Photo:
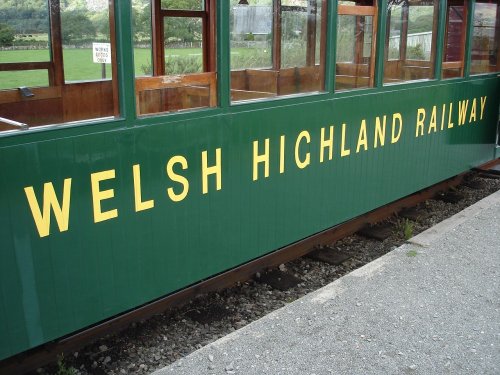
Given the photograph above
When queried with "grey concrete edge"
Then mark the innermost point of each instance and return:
(426, 238)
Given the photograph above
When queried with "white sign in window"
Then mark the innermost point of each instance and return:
(101, 53)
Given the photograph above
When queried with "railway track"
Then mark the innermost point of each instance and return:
(167, 329)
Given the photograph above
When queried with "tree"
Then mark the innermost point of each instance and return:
(6, 35)
(72, 5)
(141, 19)
(182, 4)
(76, 26)
(101, 22)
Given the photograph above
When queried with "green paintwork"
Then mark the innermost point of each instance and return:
(59, 284)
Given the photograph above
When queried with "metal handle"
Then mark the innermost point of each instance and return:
(17, 124)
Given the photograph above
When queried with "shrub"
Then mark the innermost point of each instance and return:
(178, 65)
(415, 52)
(6, 35)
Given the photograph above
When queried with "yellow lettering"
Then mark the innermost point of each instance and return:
(462, 111)
(264, 158)
(216, 169)
(302, 164)
(42, 220)
(433, 123)
(450, 124)
(100, 195)
(483, 104)
(472, 117)
(362, 139)
(419, 130)
(442, 116)
(343, 150)
(380, 132)
(326, 143)
(177, 178)
(282, 154)
(139, 204)
(396, 116)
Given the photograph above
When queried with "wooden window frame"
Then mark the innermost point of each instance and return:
(55, 66)
(497, 31)
(412, 69)
(459, 64)
(207, 16)
(62, 94)
(363, 11)
(312, 36)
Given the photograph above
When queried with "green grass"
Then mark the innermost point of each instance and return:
(24, 56)
(412, 253)
(407, 229)
(78, 65)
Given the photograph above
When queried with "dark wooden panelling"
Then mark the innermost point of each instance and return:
(87, 100)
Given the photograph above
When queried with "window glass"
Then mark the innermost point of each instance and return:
(15, 79)
(56, 63)
(24, 37)
(81, 27)
(355, 45)
(251, 35)
(293, 37)
(420, 32)
(395, 16)
(179, 74)
(346, 38)
(454, 42)
(143, 50)
(277, 48)
(410, 40)
(182, 4)
(183, 45)
(486, 38)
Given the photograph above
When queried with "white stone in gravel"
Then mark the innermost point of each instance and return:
(107, 360)
(210, 357)
(103, 348)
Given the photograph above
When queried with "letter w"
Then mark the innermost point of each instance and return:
(462, 111)
(42, 220)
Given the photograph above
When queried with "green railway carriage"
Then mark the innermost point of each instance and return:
(176, 139)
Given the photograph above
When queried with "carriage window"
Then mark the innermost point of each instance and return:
(356, 28)
(277, 47)
(50, 72)
(174, 55)
(82, 29)
(410, 43)
(486, 38)
(454, 42)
